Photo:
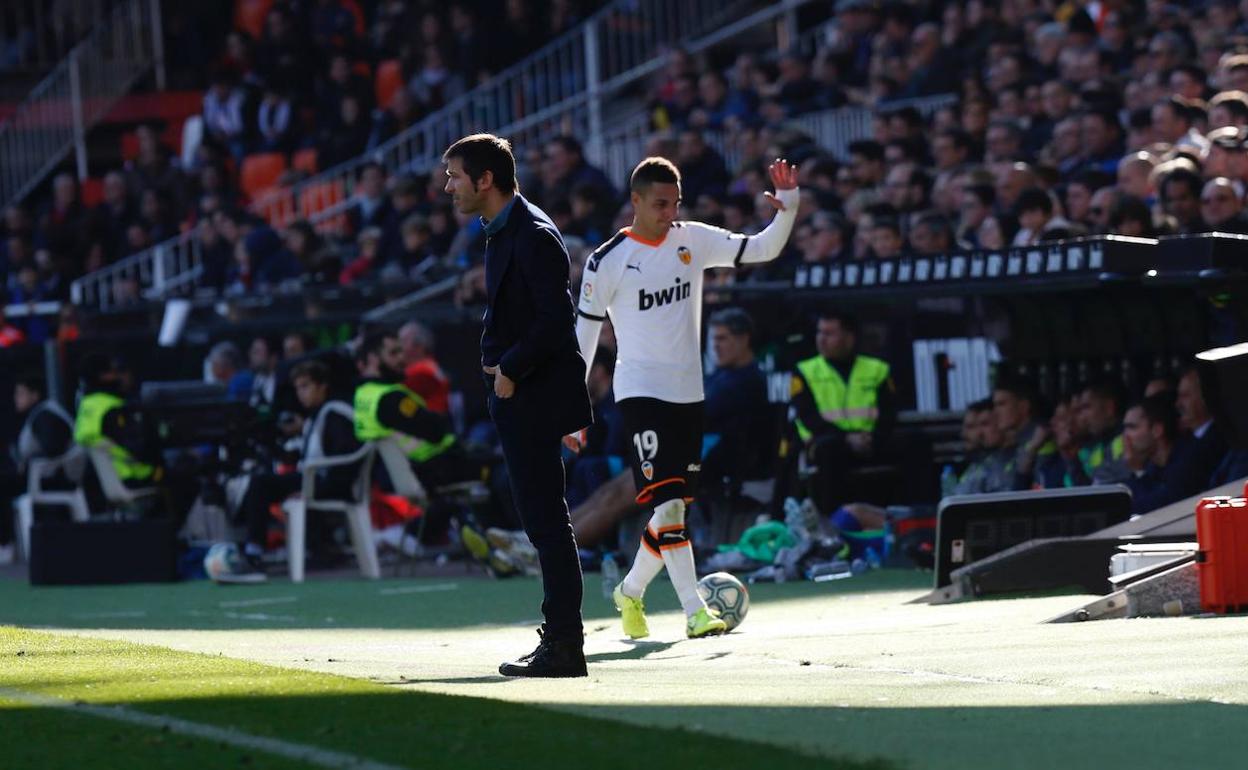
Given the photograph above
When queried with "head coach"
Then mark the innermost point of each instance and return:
(529, 351)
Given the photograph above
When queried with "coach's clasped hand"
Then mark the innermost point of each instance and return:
(504, 386)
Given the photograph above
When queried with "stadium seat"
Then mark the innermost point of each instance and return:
(261, 171)
(319, 197)
(389, 80)
(305, 160)
(249, 16)
(359, 518)
(276, 205)
(357, 13)
(72, 463)
(116, 494)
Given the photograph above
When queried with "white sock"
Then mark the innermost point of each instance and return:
(646, 566)
(668, 524)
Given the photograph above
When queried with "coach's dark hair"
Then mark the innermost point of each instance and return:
(735, 320)
(848, 321)
(653, 170)
(480, 153)
(314, 370)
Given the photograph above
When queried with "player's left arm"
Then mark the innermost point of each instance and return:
(743, 249)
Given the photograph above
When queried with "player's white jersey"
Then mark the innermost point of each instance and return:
(653, 293)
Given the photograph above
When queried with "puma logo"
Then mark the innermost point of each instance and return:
(628, 267)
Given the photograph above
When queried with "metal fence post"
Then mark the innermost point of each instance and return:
(158, 44)
(80, 133)
(593, 79)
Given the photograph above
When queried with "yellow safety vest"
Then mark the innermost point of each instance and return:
(851, 406)
(1095, 456)
(368, 426)
(89, 431)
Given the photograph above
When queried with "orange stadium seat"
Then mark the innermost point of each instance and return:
(278, 208)
(261, 172)
(249, 16)
(354, 8)
(129, 145)
(305, 160)
(389, 80)
(319, 197)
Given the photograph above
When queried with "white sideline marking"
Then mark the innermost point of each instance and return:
(257, 616)
(120, 614)
(419, 589)
(259, 602)
(297, 751)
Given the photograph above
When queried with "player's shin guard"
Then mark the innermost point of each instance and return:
(669, 524)
(646, 565)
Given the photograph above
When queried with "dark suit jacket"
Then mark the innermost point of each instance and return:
(530, 324)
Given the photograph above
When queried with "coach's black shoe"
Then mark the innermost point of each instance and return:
(553, 658)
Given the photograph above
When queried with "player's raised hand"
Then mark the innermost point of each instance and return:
(784, 177)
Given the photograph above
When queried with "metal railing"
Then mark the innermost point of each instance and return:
(168, 269)
(559, 89)
(35, 34)
(55, 116)
(538, 97)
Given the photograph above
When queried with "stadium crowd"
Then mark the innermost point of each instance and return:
(1064, 120)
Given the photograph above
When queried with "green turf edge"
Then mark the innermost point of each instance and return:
(424, 730)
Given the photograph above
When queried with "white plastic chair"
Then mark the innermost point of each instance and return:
(116, 494)
(40, 470)
(356, 509)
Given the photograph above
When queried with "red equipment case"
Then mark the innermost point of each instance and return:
(1222, 562)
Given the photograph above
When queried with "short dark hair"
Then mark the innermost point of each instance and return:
(867, 148)
(735, 320)
(981, 406)
(315, 370)
(1034, 198)
(1106, 388)
(985, 193)
(1159, 409)
(32, 380)
(1183, 176)
(480, 153)
(373, 342)
(653, 170)
(1018, 387)
(848, 321)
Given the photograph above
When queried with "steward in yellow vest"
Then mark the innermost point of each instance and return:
(386, 407)
(102, 417)
(845, 406)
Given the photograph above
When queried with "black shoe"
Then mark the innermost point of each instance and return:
(553, 658)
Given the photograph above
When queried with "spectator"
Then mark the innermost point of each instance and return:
(1165, 466)
(346, 136)
(1129, 216)
(1135, 175)
(223, 115)
(740, 427)
(886, 240)
(702, 169)
(828, 239)
(570, 170)
(371, 206)
(976, 205)
(1221, 207)
(223, 364)
(1209, 443)
(1036, 218)
(274, 126)
(931, 234)
(1174, 123)
(845, 404)
(421, 372)
(1098, 419)
(1180, 199)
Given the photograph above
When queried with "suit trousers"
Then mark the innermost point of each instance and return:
(533, 452)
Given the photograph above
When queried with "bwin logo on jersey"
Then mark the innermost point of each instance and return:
(681, 290)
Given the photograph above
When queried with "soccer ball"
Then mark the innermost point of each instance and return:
(725, 594)
(220, 560)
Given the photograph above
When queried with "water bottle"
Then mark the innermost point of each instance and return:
(610, 575)
(948, 481)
